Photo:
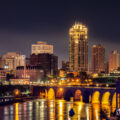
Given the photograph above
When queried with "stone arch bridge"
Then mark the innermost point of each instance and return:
(104, 95)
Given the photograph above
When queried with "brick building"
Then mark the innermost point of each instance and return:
(49, 62)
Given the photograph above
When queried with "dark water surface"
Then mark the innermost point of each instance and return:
(42, 109)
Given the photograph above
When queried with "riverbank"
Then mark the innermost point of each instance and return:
(8, 101)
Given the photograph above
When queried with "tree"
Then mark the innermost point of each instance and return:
(83, 76)
(70, 75)
(9, 76)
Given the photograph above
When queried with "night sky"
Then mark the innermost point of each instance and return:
(24, 23)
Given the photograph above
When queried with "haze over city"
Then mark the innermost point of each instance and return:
(60, 60)
(26, 22)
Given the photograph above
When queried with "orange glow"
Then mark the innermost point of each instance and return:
(73, 80)
(95, 97)
(62, 73)
(95, 75)
(78, 95)
(114, 102)
(16, 92)
(77, 80)
(52, 80)
(17, 111)
(68, 80)
(86, 80)
(96, 111)
(51, 104)
(59, 83)
(61, 110)
(90, 80)
(105, 98)
(59, 93)
(51, 94)
(61, 89)
(46, 94)
(79, 106)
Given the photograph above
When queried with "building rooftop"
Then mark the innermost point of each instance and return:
(42, 43)
(30, 67)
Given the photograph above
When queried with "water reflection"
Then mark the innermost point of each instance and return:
(17, 111)
(60, 105)
(96, 111)
(51, 110)
(30, 109)
(42, 109)
(106, 109)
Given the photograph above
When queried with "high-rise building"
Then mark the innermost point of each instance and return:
(48, 62)
(78, 48)
(41, 47)
(98, 59)
(12, 59)
(114, 61)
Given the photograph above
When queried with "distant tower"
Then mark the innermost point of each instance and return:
(98, 59)
(78, 48)
(114, 60)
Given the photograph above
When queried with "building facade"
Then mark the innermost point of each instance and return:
(49, 62)
(12, 59)
(1, 63)
(22, 81)
(41, 47)
(3, 74)
(114, 60)
(33, 73)
(98, 59)
(78, 48)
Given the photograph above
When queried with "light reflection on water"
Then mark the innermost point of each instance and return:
(42, 109)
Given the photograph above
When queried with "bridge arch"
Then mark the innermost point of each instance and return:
(51, 94)
(42, 93)
(46, 94)
(78, 95)
(114, 102)
(60, 93)
(105, 98)
(96, 97)
(68, 94)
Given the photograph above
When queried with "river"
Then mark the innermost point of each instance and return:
(41, 109)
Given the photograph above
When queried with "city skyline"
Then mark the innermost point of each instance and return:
(30, 22)
(59, 60)
(67, 58)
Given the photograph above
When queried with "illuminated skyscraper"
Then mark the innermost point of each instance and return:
(78, 48)
(98, 59)
(114, 60)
